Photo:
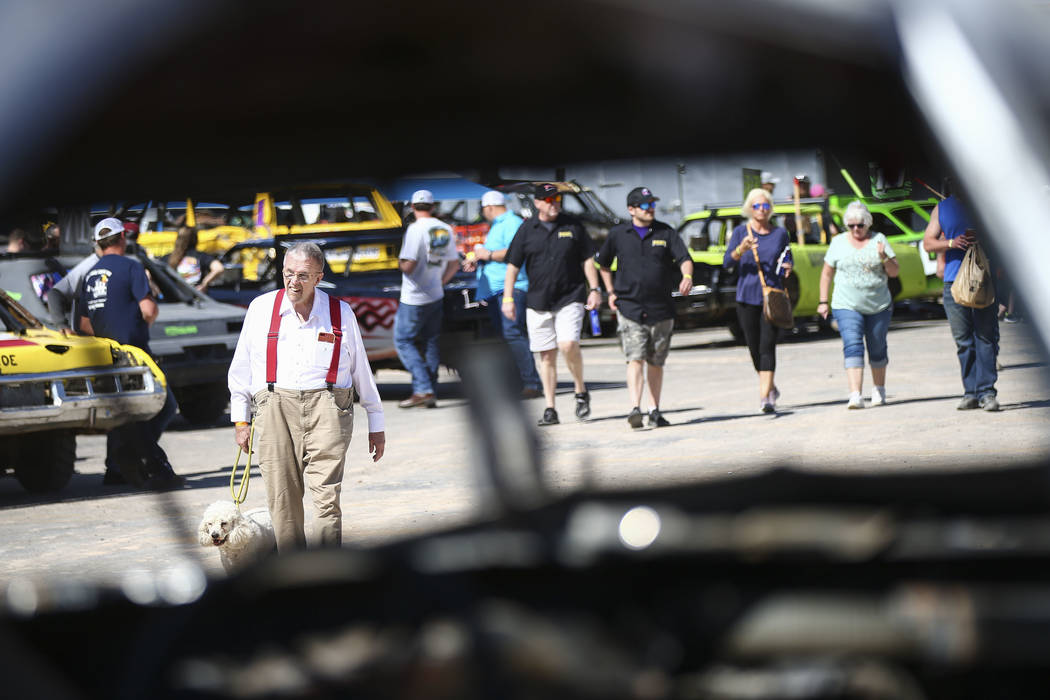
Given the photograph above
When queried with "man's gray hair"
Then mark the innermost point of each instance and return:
(308, 250)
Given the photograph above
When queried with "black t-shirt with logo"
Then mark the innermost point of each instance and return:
(647, 269)
(553, 259)
(110, 296)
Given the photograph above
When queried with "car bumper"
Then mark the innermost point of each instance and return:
(89, 399)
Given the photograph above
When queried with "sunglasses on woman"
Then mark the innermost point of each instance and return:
(763, 206)
(855, 225)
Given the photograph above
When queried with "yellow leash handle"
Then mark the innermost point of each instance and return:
(239, 494)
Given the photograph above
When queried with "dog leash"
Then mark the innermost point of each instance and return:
(240, 494)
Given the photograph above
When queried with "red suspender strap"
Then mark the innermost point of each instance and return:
(337, 331)
(271, 340)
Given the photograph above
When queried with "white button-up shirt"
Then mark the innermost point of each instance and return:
(304, 353)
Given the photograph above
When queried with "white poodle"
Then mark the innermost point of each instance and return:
(240, 537)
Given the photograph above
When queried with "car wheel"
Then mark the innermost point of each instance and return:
(203, 404)
(45, 460)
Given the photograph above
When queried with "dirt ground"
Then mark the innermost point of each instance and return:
(429, 478)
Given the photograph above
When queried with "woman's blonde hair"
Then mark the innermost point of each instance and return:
(753, 195)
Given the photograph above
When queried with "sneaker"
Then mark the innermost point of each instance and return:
(635, 417)
(550, 417)
(583, 405)
(855, 401)
(657, 420)
(989, 403)
(1012, 318)
(878, 396)
(774, 395)
(767, 406)
(968, 403)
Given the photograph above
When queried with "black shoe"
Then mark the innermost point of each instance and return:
(989, 403)
(968, 403)
(113, 477)
(167, 482)
(635, 418)
(657, 420)
(550, 417)
(583, 405)
(132, 471)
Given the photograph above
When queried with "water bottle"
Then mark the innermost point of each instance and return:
(596, 325)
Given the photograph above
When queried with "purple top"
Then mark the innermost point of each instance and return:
(642, 231)
(773, 250)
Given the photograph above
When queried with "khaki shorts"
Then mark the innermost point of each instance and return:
(645, 342)
(548, 328)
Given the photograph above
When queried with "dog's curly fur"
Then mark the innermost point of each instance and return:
(240, 537)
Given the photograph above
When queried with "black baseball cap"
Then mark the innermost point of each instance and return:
(640, 195)
(544, 190)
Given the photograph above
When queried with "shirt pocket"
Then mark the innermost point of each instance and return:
(324, 343)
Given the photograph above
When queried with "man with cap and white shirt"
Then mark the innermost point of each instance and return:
(116, 303)
(559, 256)
(492, 273)
(298, 362)
(769, 182)
(428, 260)
(651, 262)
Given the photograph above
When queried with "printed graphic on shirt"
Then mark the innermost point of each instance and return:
(97, 287)
(190, 269)
(440, 239)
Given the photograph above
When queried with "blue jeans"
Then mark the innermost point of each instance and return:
(856, 329)
(976, 334)
(517, 336)
(419, 325)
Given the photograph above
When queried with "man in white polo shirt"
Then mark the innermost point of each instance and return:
(299, 360)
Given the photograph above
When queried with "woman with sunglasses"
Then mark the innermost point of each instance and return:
(860, 262)
(771, 242)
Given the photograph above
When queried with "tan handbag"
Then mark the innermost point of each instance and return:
(973, 286)
(776, 304)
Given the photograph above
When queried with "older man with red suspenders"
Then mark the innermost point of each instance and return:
(299, 360)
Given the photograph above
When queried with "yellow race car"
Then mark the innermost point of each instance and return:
(53, 386)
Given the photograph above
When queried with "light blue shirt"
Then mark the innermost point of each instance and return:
(492, 274)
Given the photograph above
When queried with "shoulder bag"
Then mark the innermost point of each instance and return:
(776, 304)
(973, 286)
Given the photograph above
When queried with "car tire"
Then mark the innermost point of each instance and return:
(202, 404)
(45, 460)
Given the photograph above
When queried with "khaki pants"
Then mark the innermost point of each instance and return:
(303, 437)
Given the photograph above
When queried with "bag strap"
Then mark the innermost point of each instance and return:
(337, 330)
(758, 263)
(271, 340)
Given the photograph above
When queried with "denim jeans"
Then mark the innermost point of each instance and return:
(856, 329)
(976, 334)
(517, 336)
(140, 442)
(419, 325)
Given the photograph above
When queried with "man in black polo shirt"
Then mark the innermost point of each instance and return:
(650, 261)
(558, 256)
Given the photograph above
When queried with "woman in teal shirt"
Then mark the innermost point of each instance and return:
(860, 262)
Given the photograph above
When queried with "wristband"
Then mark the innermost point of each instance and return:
(240, 423)
(951, 243)
(688, 277)
(508, 300)
(821, 302)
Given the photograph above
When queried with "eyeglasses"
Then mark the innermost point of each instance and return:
(764, 206)
(647, 206)
(855, 225)
(556, 199)
(300, 276)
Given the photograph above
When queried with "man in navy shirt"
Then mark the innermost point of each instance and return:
(117, 304)
(651, 262)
